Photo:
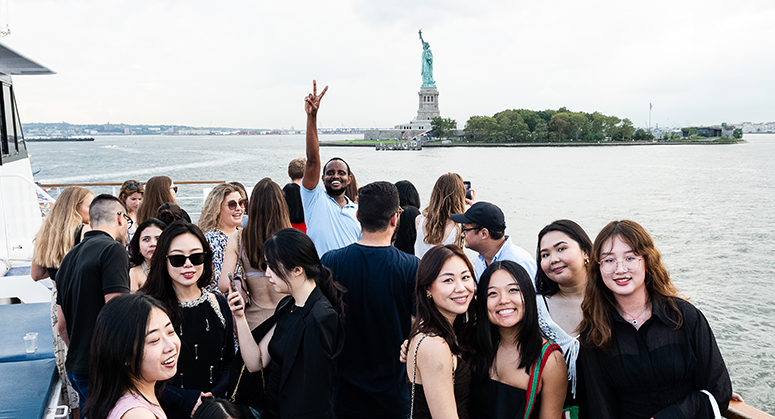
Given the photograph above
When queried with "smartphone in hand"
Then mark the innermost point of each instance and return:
(231, 281)
(467, 184)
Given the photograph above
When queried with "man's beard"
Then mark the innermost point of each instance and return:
(334, 192)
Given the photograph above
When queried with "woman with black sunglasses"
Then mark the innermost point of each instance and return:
(180, 269)
(221, 217)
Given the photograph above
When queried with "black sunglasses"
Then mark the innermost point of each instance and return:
(134, 185)
(179, 260)
(174, 189)
(233, 204)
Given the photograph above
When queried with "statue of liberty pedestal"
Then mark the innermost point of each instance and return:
(427, 64)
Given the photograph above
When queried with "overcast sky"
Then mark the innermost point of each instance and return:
(250, 63)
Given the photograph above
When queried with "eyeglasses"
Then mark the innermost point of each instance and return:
(174, 189)
(233, 204)
(179, 260)
(463, 230)
(128, 219)
(609, 265)
(400, 211)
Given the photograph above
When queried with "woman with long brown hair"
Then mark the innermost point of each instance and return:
(61, 229)
(434, 225)
(267, 214)
(646, 352)
(158, 190)
(221, 217)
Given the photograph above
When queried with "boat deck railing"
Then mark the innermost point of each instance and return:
(189, 197)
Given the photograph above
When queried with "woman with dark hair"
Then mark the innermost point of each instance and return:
(292, 192)
(646, 352)
(440, 374)
(181, 267)
(134, 350)
(221, 217)
(131, 194)
(309, 333)
(141, 249)
(517, 373)
(169, 213)
(406, 233)
(218, 409)
(435, 226)
(267, 214)
(158, 190)
(562, 254)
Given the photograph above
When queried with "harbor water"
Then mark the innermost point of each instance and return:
(710, 208)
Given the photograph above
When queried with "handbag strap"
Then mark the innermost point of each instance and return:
(713, 404)
(414, 374)
(238, 267)
(535, 376)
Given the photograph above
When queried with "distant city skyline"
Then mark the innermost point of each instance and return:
(242, 64)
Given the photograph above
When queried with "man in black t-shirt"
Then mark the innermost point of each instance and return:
(380, 280)
(93, 272)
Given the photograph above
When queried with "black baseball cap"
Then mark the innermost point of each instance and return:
(485, 214)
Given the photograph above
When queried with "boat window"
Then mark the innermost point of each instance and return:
(10, 134)
(20, 146)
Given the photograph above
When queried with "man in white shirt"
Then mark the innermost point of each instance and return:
(328, 213)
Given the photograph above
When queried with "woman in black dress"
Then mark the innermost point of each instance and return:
(439, 374)
(509, 342)
(180, 268)
(309, 333)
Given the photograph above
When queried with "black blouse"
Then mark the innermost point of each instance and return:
(657, 371)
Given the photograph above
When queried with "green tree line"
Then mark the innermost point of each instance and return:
(525, 126)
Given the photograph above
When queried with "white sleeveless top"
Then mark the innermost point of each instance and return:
(420, 247)
(569, 344)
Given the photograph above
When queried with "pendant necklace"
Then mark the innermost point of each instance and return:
(634, 320)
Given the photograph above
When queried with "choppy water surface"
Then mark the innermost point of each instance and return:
(710, 209)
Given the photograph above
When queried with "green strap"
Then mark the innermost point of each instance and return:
(535, 376)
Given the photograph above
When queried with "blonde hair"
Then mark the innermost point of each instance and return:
(448, 197)
(211, 211)
(56, 236)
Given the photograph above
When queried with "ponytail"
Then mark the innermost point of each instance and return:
(331, 289)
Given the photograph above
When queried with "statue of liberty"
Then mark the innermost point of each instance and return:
(427, 64)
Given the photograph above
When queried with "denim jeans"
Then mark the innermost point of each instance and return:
(81, 384)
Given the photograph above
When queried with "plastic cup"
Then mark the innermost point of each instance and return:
(31, 342)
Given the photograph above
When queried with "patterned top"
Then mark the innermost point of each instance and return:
(218, 241)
